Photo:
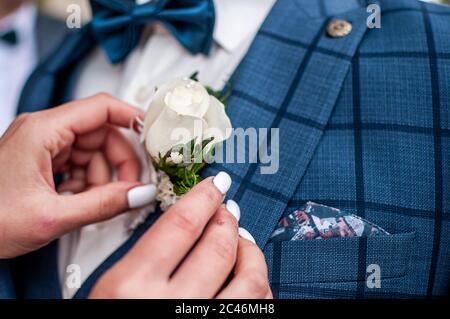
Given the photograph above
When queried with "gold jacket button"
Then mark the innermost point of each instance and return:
(339, 28)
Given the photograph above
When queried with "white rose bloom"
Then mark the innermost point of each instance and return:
(180, 111)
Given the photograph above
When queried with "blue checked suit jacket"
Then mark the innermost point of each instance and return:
(364, 126)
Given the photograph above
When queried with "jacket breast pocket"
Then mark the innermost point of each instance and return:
(339, 259)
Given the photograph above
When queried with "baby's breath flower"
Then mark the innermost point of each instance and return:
(166, 196)
(176, 157)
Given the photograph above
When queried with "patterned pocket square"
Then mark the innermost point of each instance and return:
(315, 221)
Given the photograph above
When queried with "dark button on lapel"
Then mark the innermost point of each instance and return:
(339, 28)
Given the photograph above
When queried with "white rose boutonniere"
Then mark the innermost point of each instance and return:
(184, 122)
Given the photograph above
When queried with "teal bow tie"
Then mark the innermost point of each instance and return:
(9, 37)
(118, 24)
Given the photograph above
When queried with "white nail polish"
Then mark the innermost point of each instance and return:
(222, 182)
(141, 196)
(246, 235)
(234, 209)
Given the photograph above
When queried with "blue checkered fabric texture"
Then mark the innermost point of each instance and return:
(364, 127)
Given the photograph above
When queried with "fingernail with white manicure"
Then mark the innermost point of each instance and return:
(234, 209)
(223, 182)
(246, 235)
(141, 196)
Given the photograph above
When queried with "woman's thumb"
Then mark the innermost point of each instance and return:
(102, 203)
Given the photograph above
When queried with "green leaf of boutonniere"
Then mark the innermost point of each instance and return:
(186, 174)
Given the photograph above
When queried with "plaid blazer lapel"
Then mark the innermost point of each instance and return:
(290, 79)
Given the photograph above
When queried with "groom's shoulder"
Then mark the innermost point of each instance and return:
(413, 11)
(409, 26)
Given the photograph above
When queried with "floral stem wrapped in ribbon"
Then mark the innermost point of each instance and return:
(184, 123)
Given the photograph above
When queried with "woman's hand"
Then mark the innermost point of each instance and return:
(72, 137)
(191, 252)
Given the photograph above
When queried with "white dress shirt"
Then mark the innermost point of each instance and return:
(16, 61)
(158, 58)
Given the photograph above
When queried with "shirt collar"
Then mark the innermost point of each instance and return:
(22, 21)
(238, 19)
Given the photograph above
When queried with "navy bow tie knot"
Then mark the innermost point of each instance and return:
(9, 37)
(118, 24)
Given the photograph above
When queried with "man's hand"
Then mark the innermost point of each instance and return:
(190, 252)
(75, 137)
